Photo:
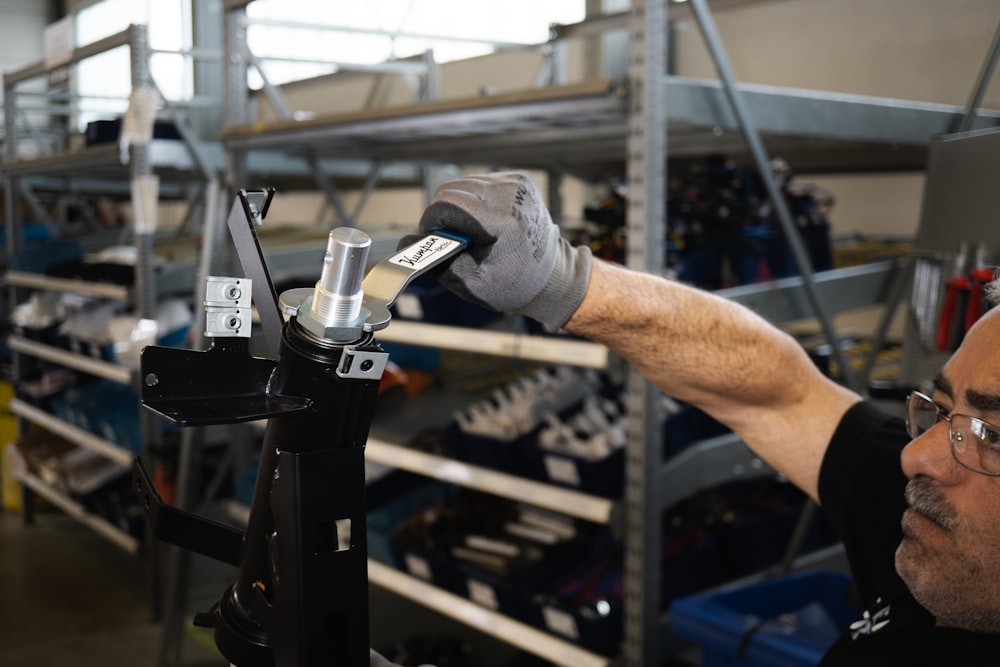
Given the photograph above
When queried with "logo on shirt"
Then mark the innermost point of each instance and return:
(871, 622)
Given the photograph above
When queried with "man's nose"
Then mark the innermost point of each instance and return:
(930, 454)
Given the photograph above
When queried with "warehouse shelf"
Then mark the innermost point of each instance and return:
(77, 511)
(784, 300)
(583, 128)
(608, 128)
(142, 171)
(86, 288)
(495, 625)
(565, 501)
(74, 434)
(708, 464)
(78, 362)
(489, 622)
(550, 349)
(101, 169)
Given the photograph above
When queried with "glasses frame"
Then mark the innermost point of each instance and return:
(942, 415)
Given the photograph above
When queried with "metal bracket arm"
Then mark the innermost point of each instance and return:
(223, 385)
(186, 530)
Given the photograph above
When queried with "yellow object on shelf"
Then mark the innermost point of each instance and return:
(10, 459)
(10, 465)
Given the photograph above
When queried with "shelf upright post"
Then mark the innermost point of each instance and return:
(235, 104)
(12, 218)
(140, 169)
(982, 83)
(646, 169)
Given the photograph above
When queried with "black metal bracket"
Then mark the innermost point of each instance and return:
(249, 210)
(222, 385)
(185, 529)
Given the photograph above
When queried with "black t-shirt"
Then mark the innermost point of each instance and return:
(861, 487)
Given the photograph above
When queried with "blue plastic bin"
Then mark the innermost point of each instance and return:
(790, 621)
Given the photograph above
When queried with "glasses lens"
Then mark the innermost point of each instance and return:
(981, 450)
(921, 414)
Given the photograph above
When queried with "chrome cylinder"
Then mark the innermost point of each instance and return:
(337, 296)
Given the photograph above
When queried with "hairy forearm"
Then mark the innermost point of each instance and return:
(714, 354)
(695, 346)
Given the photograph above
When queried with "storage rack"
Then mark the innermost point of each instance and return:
(584, 129)
(99, 169)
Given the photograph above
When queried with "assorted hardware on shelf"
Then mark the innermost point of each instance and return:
(99, 485)
(564, 575)
(947, 296)
(721, 229)
(563, 426)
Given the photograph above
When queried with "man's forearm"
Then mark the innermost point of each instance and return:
(718, 356)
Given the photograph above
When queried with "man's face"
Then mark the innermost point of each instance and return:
(950, 553)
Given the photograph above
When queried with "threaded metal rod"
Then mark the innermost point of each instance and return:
(337, 296)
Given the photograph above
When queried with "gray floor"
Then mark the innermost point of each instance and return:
(68, 598)
(71, 599)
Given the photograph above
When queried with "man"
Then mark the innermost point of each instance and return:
(920, 518)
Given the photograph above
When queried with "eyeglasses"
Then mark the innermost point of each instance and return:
(975, 444)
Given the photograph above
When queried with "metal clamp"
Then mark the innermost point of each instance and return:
(358, 364)
(227, 306)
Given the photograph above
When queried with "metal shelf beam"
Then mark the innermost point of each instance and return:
(74, 509)
(77, 362)
(565, 501)
(77, 435)
(495, 625)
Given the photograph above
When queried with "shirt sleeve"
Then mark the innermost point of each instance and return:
(861, 485)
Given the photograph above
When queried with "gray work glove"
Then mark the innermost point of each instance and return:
(517, 261)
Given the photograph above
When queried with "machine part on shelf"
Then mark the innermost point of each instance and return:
(301, 593)
(924, 297)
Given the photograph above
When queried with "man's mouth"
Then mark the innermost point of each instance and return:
(927, 502)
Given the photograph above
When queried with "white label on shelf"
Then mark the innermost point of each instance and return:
(482, 594)
(562, 470)
(418, 567)
(425, 252)
(145, 193)
(408, 306)
(453, 471)
(560, 622)
(58, 42)
(137, 123)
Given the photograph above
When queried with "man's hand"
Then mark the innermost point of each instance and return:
(517, 261)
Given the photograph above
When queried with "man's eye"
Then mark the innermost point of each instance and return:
(986, 434)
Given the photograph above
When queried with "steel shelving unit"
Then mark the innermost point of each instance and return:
(143, 172)
(593, 129)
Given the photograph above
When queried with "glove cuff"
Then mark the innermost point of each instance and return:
(562, 294)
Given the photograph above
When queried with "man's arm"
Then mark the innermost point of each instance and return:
(695, 346)
(721, 358)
